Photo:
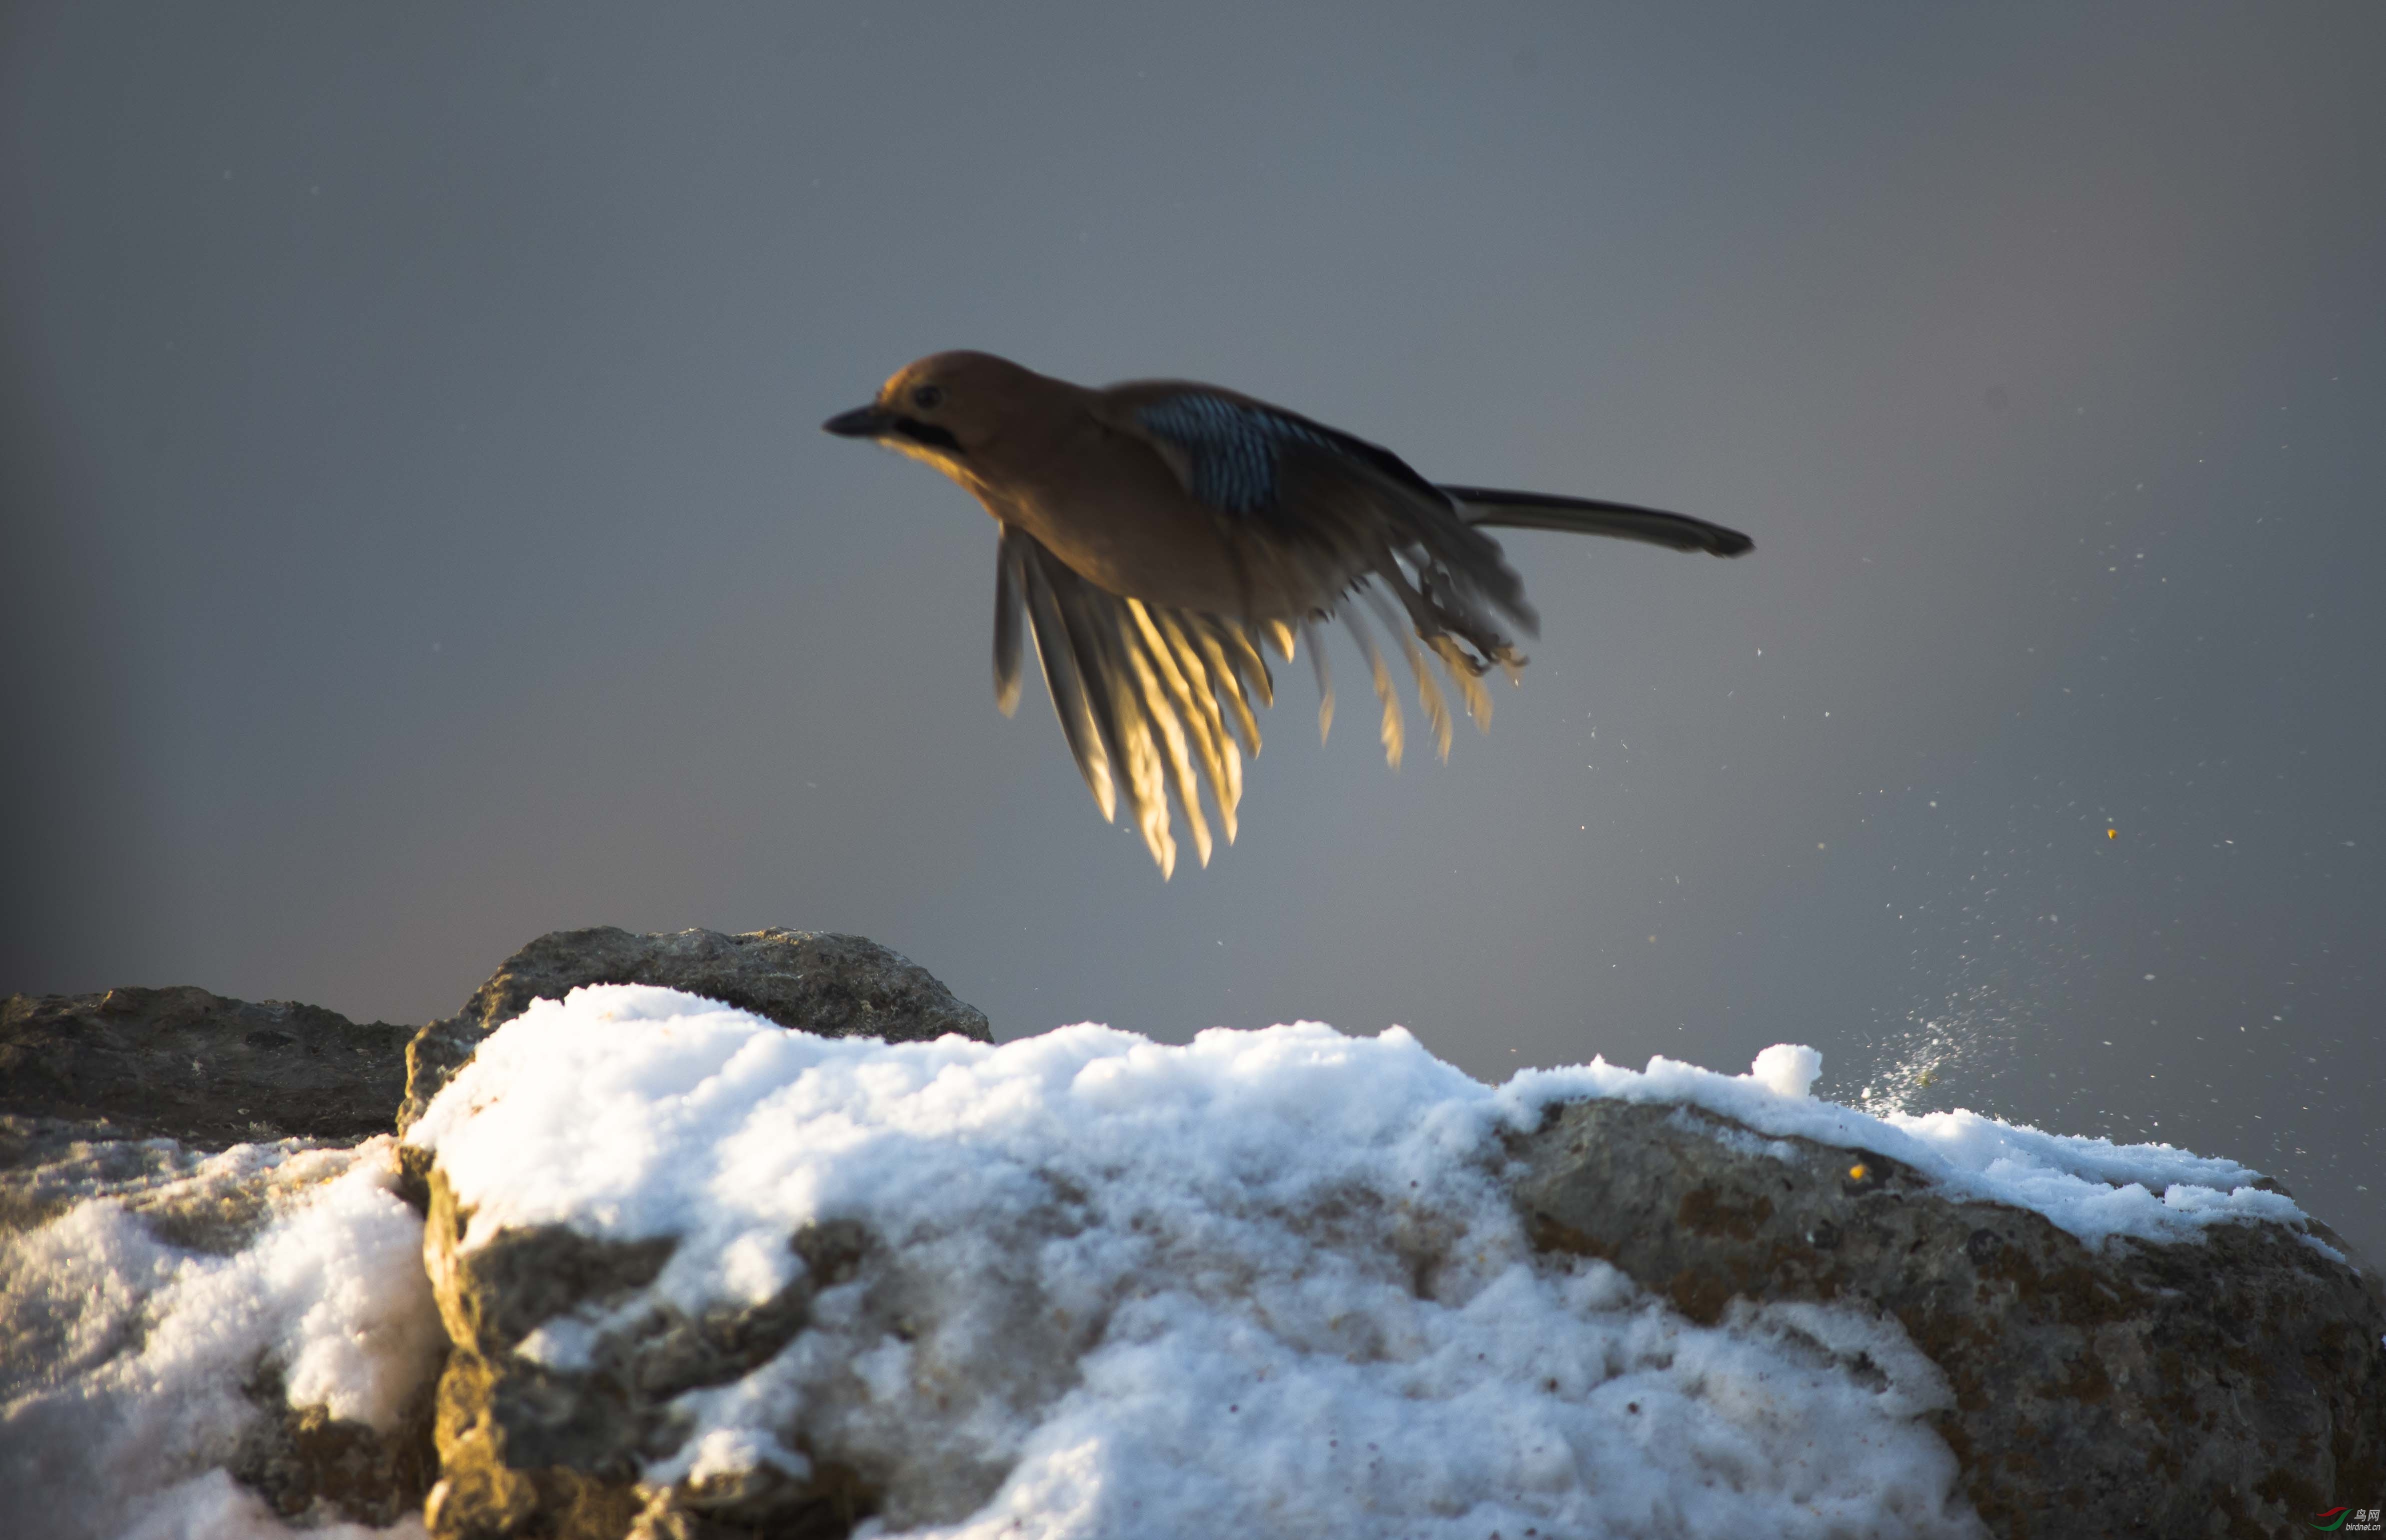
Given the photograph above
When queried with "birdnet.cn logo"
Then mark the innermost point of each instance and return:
(2348, 1521)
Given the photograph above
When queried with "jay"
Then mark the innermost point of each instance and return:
(1156, 534)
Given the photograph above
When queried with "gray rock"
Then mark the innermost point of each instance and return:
(530, 1450)
(309, 1465)
(2233, 1386)
(835, 985)
(185, 1064)
(2225, 1386)
(525, 1449)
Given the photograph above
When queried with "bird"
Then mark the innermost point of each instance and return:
(1157, 536)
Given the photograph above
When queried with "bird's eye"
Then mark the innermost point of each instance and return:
(927, 397)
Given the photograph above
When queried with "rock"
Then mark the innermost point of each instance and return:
(185, 1064)
(2233, 1386)
(2229, 1384)
(815, 981)
(527, 1448)
(305, 1463)
(530, 1448)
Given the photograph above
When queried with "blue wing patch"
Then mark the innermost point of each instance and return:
(1231, 448)
(1235, 451)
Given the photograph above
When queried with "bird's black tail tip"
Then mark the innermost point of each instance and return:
(1534, 510)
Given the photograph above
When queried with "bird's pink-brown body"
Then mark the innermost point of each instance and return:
(1155, 533)
(1073, 467)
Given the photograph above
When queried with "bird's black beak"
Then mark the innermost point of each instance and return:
(860, 422)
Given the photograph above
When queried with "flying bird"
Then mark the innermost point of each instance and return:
(1156, 534)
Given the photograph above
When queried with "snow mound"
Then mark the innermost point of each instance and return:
(1083, 1285)
(1266, 1281)
(150, 1349)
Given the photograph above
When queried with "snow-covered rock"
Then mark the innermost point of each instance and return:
(260, 1312)
(214, 1316)
(2180, 1353)
(676, 1270)
(1291, 1283)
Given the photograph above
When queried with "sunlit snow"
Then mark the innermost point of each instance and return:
(1266, 1281)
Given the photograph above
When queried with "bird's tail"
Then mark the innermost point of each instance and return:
(1534, 510)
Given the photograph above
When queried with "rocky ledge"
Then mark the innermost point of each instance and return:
(539, 1376)
(2224, 1387)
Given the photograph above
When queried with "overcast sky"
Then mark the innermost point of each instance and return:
(419, 535)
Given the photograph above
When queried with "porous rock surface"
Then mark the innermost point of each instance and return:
(2231, 1387)
(199, 1069)
(528, 1449)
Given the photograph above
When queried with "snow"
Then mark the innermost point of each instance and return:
(2093, 1188)
(214, 1507)
(146, 1402)
(1264, 1280)
(1787, 1070)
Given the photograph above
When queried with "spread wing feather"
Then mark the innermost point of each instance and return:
(1150, 699)
(1072, 702)
(1290, 493)
(1154, 699)
(1009, 579)
(1354, 521)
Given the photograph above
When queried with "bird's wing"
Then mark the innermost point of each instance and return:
(1355, 520)
(1148, 697)
(1536, 510)
(1311, 491)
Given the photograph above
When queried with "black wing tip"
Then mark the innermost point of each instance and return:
(1729, 542)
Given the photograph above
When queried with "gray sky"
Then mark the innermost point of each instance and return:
(419, 535)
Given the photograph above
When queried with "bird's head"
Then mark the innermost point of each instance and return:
(944, 409)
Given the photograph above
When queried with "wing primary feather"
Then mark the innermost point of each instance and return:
(1394, 733)
(1229, 683)
(1170, 743)
(1467, 675)
(1436, 710)
(1251, 664)
(1324, 673)
(1071, 700)
(1009, 612)
(1101, 643)
(1465, 671)
(1201, 687)
(1196, 692)
(1168, 704)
